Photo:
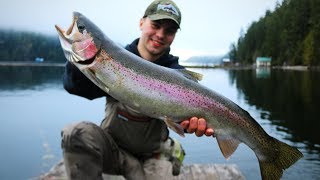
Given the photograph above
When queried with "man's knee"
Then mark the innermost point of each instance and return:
(82, 136)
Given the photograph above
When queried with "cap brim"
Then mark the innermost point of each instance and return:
(155, 17)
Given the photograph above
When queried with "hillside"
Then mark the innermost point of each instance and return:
(290, 35)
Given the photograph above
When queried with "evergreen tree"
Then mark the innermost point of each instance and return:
(26, 46)
(290, 35)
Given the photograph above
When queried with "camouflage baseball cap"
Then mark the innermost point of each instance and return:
(163, 9)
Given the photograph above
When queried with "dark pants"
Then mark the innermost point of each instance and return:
(89, 151)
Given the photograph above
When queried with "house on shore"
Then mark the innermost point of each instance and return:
(263, 61)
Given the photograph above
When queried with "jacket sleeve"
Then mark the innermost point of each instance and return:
(75, 82)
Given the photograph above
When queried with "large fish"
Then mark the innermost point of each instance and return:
(170, 95)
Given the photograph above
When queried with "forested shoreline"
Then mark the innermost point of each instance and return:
(289, 35)
(27, 46)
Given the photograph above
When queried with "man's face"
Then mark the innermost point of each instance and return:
(157, 36)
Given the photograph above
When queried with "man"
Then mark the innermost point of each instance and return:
(127, 142)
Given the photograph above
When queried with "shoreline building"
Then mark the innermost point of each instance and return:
(263, 61)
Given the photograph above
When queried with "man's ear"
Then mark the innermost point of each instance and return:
(141, 23)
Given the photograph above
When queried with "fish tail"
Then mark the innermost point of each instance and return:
(283, 157)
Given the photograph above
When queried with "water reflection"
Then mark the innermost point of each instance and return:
(28, 77)
(289, 99)
(263, 72)
(34, 109)
(284, 102)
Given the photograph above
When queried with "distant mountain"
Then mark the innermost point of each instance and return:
(204, 61)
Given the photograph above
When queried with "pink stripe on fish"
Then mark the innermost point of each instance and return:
(179, 94)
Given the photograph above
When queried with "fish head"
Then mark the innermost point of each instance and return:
(80, 42)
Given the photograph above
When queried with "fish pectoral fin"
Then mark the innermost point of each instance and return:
(90, 74)
(194, 76)
(174, 126)
(227, 145)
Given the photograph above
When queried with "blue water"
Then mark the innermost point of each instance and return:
(34, 111)
(31, 121)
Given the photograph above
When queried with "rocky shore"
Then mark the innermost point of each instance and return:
(188, 172)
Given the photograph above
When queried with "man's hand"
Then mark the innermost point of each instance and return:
(197, 125)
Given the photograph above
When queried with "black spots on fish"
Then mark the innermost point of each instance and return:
(229, 115)
(135, 78)
(105, 56)
(192, 100)
(219, 109)
(108, 68)
(196, 100)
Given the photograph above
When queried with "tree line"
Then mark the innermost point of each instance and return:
(290, 35)
(27, 46)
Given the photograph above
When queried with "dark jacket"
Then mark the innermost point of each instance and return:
(141, 139)
(77, 83)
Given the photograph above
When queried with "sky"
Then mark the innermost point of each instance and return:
(208, 27)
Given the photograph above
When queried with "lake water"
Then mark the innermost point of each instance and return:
(35, 107)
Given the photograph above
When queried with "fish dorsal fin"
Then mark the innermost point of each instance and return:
(227, 145)
(174, 126)
(191, 75)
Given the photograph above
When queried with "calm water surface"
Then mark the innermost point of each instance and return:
(35, 107)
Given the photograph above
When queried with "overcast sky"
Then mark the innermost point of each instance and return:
(208, 27)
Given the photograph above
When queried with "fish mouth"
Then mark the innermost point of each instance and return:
(78, 45)
(66, 35)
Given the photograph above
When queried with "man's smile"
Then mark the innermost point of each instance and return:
(157, 43)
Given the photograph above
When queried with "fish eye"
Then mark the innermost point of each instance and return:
(81, 27)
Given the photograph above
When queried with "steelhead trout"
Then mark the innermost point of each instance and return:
(170, 95)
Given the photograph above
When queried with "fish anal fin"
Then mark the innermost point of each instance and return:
(174, 126)
(227, 145)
